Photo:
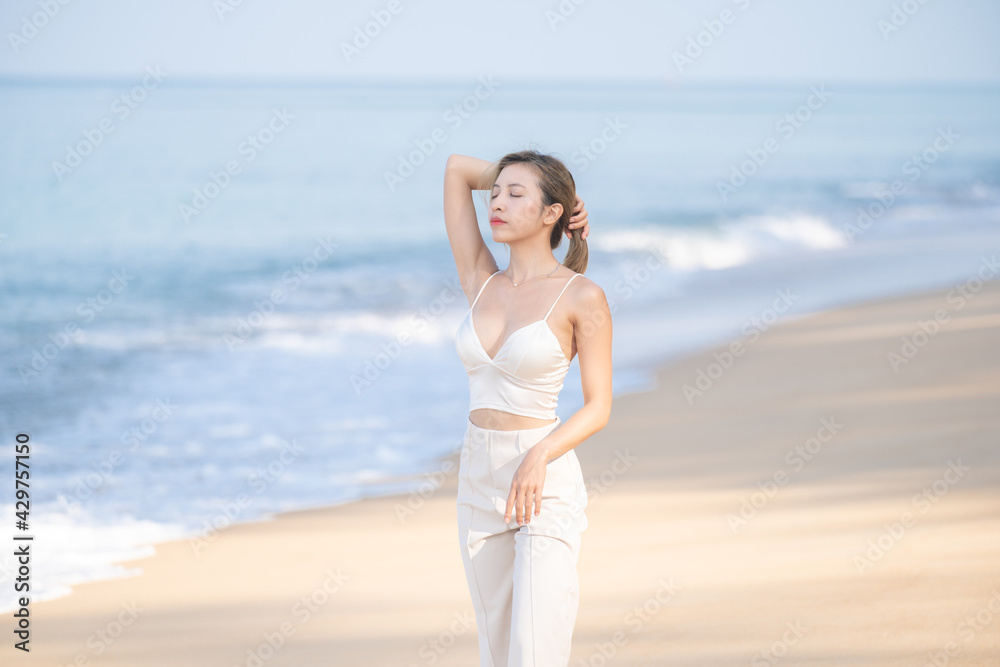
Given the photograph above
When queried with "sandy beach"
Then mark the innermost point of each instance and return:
(826, 493)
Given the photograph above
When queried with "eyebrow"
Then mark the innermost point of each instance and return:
(497, 185)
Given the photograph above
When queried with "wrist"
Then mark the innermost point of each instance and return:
(543, 451)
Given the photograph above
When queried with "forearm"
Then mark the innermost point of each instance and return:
(467, 169)
(585, 422)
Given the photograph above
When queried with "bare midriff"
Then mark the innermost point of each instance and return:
(498, 420)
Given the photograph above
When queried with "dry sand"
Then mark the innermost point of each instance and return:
(813, 506)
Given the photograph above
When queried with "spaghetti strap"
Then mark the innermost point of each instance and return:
(560, 295)
(481, 290)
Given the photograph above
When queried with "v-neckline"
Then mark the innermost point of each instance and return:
(544, 320)
(492, 360)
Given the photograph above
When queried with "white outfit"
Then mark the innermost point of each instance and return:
(522, 579)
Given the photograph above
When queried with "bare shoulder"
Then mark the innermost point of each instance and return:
(589, 302)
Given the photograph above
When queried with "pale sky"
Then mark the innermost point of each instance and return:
(763, 41)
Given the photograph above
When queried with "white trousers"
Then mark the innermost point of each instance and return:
(522, 579)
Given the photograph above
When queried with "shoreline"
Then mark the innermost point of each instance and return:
(718, 477)
(449, 461)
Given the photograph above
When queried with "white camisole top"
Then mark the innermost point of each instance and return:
(526, 375)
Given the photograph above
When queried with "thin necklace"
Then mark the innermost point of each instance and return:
(530, 279)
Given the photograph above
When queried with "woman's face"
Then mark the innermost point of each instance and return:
(516, 207)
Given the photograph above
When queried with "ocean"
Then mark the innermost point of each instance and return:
(225, 300)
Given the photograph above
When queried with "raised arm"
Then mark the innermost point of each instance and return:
(473, 259)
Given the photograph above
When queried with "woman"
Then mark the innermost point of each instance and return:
(516, 342)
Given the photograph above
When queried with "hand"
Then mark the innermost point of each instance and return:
(578, 219)
(526, 487)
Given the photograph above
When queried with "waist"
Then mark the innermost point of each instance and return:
(508, 424)
(493, 419)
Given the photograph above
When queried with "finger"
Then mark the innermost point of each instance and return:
(538, 495)
(510, 504)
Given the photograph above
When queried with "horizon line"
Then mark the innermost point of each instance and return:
(667, 83)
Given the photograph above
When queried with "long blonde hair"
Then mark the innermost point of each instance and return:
(557, 186)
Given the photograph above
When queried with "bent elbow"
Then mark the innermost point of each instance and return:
(604, 416)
